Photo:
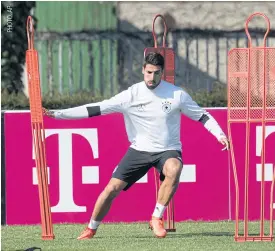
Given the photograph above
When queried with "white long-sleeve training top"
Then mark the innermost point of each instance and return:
(152, 117)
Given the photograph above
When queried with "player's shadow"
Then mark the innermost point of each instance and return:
(175, 235)
(30, 249)
(182, 235)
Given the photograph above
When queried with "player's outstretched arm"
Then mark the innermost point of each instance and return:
(214, 128)
(191, 109)
(118, 103)
(79, 112)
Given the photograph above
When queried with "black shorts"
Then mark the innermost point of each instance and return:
(135, 164)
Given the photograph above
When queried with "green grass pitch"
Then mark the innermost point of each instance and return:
(190, 236)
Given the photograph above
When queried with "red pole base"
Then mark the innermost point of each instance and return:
(48, 237)
(253, 238)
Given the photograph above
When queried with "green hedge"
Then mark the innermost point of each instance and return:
(215, 98)
(56, 101)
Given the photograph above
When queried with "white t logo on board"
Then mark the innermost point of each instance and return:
(268, 175)
(90, 174)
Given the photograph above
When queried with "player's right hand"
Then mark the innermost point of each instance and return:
(47, 112)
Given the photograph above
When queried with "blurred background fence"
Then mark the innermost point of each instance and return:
(84, 46)
(108, 62)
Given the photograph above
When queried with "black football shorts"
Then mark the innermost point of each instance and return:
(135, 164)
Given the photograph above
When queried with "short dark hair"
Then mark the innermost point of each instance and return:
(154, 58)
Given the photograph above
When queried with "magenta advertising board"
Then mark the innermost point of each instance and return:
(255, 167)
(82, 154)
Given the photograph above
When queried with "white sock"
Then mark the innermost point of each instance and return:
(159, 210)
(93, 224)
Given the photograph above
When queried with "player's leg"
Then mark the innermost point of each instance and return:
(105, 200)
(171, 172)
(169, 164)
(132, 167)
(102, 206)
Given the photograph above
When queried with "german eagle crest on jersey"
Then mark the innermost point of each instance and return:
(166, 106)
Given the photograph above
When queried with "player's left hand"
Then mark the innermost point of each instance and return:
(223, 140)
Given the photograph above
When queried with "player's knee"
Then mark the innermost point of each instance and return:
(112, 190)
(172, 169)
